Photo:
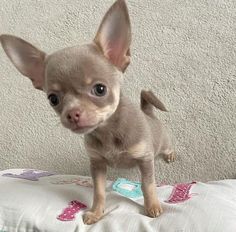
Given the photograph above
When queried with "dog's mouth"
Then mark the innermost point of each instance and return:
(83, 126)
(83, 129)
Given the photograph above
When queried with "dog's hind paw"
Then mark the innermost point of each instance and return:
(169, 158)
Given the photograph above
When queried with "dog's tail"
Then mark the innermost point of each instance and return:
(148, 100)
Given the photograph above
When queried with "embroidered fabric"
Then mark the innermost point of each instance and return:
(33, 175)
(130, 189)
(70, 212)
(180, 193)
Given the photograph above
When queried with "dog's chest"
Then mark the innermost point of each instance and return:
(114, 151)
(119, 158)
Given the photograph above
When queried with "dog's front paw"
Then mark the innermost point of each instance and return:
(169, 158)
(154, 210)
(91, 217)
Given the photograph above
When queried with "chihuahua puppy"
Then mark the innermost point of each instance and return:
(83, 85)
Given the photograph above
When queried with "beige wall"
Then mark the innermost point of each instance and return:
(184, 50)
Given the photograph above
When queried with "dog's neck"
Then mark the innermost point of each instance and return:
(115, 119)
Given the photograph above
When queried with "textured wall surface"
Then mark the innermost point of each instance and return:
(184, 50)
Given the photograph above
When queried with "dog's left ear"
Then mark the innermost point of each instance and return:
(114, 35)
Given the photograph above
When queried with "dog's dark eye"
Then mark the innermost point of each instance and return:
(99, 90)
(53, 99)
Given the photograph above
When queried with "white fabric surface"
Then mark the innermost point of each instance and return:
(27, 206)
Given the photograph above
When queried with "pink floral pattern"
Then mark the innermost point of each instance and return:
(70, 212)
(180, 193)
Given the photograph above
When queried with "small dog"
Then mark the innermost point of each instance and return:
(83, 85)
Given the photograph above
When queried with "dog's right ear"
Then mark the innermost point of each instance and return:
(29, 60)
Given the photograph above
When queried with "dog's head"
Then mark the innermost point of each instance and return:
(82, 83)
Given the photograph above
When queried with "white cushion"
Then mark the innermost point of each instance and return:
(35, 205)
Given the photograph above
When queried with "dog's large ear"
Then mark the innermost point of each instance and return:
(114, 35)
(27, 59)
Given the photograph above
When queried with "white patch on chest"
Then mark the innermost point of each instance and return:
(124, 158)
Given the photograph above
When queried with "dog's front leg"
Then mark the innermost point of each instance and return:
(151, 204)
(98, 172)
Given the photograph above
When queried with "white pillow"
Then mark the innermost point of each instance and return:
(37, 203)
